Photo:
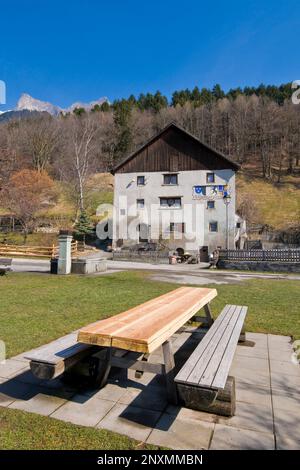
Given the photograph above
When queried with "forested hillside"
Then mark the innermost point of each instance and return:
(257, 127)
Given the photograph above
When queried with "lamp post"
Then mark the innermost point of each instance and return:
(227, 200)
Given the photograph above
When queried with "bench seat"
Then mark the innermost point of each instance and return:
(53, 359)
(207, 369)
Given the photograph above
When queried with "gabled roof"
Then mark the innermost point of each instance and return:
(173, 125)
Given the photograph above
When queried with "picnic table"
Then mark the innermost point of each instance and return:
(143, 329)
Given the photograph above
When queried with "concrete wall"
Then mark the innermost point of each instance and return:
(193, 213)
(270, 266)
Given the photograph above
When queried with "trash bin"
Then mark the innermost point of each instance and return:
(53, 265)
(172, 259)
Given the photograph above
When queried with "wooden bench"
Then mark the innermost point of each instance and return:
(203, 382)
(5, 265)
(54, 359)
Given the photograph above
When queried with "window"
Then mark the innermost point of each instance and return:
(140, 203)
(140, 180)
(210, 204)
(210, 177)
(213, 226)
(122, 211)
(177, 227)
(171, 179)
(238, 225)
(170, 202)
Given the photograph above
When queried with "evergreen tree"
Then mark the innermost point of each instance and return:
(78, 111)
(105, 107)
(83, 226)
(122, 121)
(217, 92)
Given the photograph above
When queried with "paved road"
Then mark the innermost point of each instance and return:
(181, 274)
(193, 274)
(30, 265)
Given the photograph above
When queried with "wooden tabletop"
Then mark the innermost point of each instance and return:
(146, 327)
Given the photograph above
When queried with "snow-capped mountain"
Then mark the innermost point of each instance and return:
(86, 106)
(31, 104)
(27, 102)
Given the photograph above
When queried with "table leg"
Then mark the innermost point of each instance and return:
(139, 373)
(169, 372)
(104, 368)
(208, 315)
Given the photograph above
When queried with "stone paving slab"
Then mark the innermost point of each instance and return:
(251, 364)
(179, 432)
(41, 403)
(278, 354)
(260, 339)
(287, 423)
(83, 410)
(285, 382)
(11, 368)
(135, 422)
(286, 401)
(255, 352)
(11, 390)
(251, 416)
(283, 443)
(258, 378)
(227, 437)
(152, 398)
(284, 367)
(249, 393)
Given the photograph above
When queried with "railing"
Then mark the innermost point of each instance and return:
(290, 255)
(34, 251)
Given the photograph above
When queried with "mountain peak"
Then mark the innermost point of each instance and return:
(27, 102)
(32, 104)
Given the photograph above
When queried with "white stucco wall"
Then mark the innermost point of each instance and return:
(193, 213)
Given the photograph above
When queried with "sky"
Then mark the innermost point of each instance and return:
(67, 51)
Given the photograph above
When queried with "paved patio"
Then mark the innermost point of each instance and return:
(267, 389)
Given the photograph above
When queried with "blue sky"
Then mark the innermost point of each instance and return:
(65, 51)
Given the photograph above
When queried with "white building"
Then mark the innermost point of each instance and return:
(177, 190)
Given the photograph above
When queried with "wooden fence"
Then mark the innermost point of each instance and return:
(289, 255)
(34, 251)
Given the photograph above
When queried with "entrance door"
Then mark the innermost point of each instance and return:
(204, 254)
(143, 233)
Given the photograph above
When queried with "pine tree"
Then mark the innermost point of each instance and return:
(83, 226)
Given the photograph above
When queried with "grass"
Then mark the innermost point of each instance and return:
(277, 205)
(40, 308)
(273, 304)
(36, 309)
(33, 239)
(27, 431)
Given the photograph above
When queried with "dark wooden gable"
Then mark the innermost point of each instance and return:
(173, 149)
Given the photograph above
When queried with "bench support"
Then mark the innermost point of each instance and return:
(220, 402)
(109, 357)
(208, 319)
(169, 372)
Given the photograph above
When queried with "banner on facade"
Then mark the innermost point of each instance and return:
(210, 192)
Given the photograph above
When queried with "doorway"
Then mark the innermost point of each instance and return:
(143, 230)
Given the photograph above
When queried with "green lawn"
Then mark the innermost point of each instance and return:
(35, 309)
(27, 431)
